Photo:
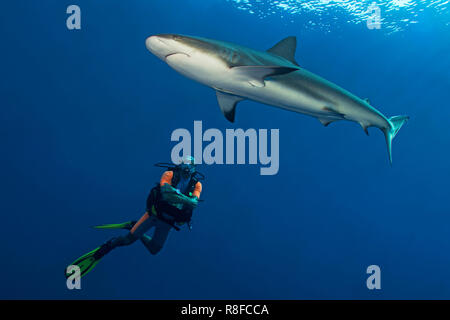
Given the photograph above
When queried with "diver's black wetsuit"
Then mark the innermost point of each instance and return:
(168, 205)
(159, 215)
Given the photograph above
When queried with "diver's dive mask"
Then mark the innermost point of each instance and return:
(187, 166)
(187, 169)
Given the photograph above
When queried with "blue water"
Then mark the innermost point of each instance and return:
(85, 115)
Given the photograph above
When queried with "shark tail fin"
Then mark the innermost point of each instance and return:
(396, 123)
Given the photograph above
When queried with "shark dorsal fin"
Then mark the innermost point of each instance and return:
(285, 49)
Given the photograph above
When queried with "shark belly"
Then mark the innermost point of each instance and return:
(278, 95)
(218, 76)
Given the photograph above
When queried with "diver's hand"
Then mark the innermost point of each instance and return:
(167, 188)
(193, 202)
(168, 192)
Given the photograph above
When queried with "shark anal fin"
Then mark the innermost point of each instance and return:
(285, 49)
(326, 121)
(255, 74)
(227, 103)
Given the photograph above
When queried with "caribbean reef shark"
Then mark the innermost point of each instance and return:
(271, 77)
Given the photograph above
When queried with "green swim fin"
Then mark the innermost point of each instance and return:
(86, 262)
(126, 225)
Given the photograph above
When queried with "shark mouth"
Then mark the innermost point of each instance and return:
(174, 53)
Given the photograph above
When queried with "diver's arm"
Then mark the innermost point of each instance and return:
(166, 183)
(166, 178)
(195, 195)
(172, 195)
(166, 187)
(190, 201)
(193, 199)
(197, 190)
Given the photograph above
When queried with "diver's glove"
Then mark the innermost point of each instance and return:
(174, 196)
(171, 195)
(193, 202)
(167, 189)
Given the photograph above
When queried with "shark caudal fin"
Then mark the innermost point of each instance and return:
(396, 123)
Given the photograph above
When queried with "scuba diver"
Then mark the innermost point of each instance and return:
(169, 205)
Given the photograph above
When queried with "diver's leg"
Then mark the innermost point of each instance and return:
(154, 244)
(146, 222)
(138, 229)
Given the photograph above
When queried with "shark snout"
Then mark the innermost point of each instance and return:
(156, 45)
(164, 45)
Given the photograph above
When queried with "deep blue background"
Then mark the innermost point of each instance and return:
(85, 114)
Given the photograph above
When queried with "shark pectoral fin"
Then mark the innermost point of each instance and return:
(227, 103)
(255, 74)
(285, 49)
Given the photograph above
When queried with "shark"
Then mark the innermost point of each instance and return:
(272, 77)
